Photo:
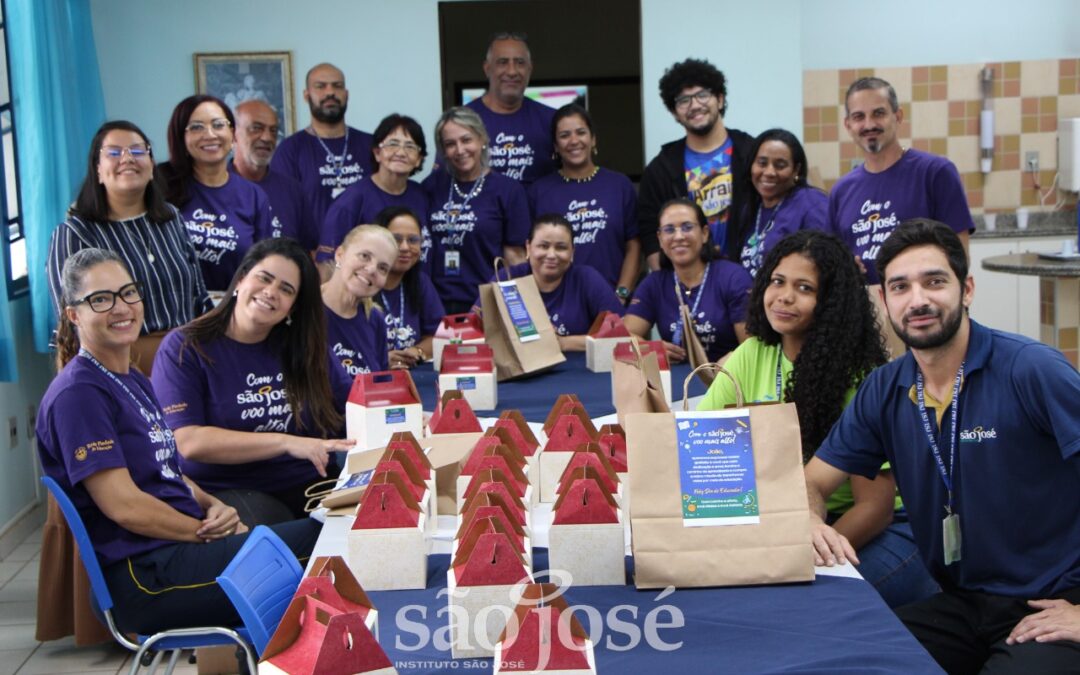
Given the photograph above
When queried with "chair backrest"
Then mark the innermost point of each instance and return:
(260, 581)
(82, 540)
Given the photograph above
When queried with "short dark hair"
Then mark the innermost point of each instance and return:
(692, 73)
(519, 36)
(874, 83)
(179, 168)
(924, 232)
(411, 279)
(409, 126)
(92, 202)
(554, 219)
(702, 219)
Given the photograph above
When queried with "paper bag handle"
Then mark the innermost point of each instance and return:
(500, 261)
(716, 368)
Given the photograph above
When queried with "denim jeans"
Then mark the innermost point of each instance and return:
(891, 563)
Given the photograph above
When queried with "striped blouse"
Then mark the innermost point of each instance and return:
(173, 288)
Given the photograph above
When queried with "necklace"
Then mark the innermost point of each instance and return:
(337, 161)
(586, 179)
(474, 192)
(142, 239)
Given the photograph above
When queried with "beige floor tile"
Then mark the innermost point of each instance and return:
(64, 657)
(8, 570)
(16, 613)
(29, 572)
(24, 552)
(20, 636)
(19, 590)
(13, 659)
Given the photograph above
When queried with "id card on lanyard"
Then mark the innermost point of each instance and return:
(950, 525)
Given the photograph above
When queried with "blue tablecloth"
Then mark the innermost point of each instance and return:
(830, 626)
(534, 395)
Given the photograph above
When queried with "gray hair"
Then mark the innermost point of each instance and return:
(865, 83)
(467, 118)
(76, 266)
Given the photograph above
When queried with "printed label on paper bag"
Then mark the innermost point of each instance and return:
(716, 468)
(355, 480)
(466, 383)
(519, 315)
(395, 415)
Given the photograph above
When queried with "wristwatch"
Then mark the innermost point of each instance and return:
(623, 292)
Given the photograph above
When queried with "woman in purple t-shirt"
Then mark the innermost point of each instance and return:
(715, 291)
(251, 389)
(224, 213)
(356, 330)
(103, 437)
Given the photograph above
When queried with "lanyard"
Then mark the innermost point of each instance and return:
(451, 212)
(338, 162)
(779, 382)
(398, 318)
(151, 415)
(753, 251)
(676, 337)
(946, 476)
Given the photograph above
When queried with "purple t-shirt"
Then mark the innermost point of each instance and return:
(520, 143)
(470, 224)
(575, 304)
(720, 303)
(359, 343)
(324, 172)
(360, 204)
(603, 212)
(236, 386)
(222, 224)
(407, 323)
(288, 208)
(802, 209)
(87, 423)
(864, 207)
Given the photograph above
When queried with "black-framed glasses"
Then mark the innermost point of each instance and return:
(219, 125)
(702, 97)
(136, 151)
(103, 301)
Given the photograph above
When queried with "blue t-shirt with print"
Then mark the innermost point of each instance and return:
(709, 183)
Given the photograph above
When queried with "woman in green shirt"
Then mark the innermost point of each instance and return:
(813, 338)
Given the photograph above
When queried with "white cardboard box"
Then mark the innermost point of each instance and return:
(480, 389)
(389, 559)
(478, 615)
(552, 465)
(593, 554)
(380, 405)
(598, 352)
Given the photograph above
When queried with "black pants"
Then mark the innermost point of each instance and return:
(965, 632)
(175, 586)
(256, 507)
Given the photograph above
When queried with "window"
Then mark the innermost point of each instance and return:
(15, 266)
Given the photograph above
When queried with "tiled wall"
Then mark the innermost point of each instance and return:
(941, 115)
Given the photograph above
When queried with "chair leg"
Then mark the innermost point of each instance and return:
(174, 655)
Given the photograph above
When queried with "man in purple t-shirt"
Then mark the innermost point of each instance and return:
(894, 184)
(519, 127)
(257, 134)
(328, 156)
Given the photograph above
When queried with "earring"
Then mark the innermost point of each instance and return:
(337, 265)
(554, 155)
(288, 320)
(236, 292)
(595, 150)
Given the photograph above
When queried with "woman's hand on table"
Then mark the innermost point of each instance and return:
(404, 358)
(316, 450)
(221, 521)
(675, 353)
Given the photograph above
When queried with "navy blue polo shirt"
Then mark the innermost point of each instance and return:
(1017, 477)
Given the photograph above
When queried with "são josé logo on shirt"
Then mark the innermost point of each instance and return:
(587, 219)
(873, 228)
(510, 156)
(210, 235)
(978, 435)
(452, 223)
(265, 400)
(703, 327)
(351, 360)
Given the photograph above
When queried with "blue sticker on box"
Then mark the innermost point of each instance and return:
(466, 383)
(718, 484)
(395, 415)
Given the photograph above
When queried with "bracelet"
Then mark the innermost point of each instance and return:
(420, 355)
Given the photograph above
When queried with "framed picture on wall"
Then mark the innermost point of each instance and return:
(235, 77)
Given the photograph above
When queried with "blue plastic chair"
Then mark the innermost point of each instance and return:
(261, 581)
(174, 640)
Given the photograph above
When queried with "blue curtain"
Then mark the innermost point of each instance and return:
(56, 91)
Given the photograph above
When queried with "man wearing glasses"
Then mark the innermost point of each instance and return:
(519, 127)
(257, 135)
(708, 165)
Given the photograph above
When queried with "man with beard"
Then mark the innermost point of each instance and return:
(982, 431)
(709, 165)
(895, 183)
(328, 156)
(257, 133)
(519, 127)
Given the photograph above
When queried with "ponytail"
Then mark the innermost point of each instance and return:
(67, 341)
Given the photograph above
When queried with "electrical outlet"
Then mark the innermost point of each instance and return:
(1031, 161)
(31, 421)
(13, 431)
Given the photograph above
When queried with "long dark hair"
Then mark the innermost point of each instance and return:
(178, 170)
(302, 345)
(703, 222)
(744, 210)
(71, 284)
(842, 345)
(92, 202)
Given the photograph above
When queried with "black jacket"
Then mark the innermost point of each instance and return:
(665, 179)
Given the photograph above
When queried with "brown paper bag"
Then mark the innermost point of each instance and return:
(776, 550)
(893, 344)
(695, 352)
(513, 357)
(637, 385)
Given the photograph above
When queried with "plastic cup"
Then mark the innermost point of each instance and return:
(990, 221)
(1021, 219)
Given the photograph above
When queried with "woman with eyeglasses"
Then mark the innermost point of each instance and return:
(476, 214)
(398, 151)
(224, 213)
(103, 436)
(409, 300)
(715, 291)
(252, 391)
(600, 204)
(120, 207)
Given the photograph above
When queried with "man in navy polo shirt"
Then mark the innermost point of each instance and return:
(982, 429)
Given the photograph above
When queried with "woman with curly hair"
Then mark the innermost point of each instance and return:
(814, 338)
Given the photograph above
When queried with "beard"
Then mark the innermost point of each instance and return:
(950, 324)
(328, 116)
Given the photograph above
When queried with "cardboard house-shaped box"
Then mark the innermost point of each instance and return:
(607, 330)
(542, 636)
(567, 431)
(493, 505)
(470, 369)
(586, 537)
(465, 329)
(380, 405)
(490, 452)
(330, 580)
(453, 415)
(387, 547)
(495, 482)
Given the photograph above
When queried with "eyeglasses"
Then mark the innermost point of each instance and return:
(258, 128)
(395, 145)
(702, 97)
(685, 228)
(412, 239)
(220, 124)
(103, 301)
(137, 151)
